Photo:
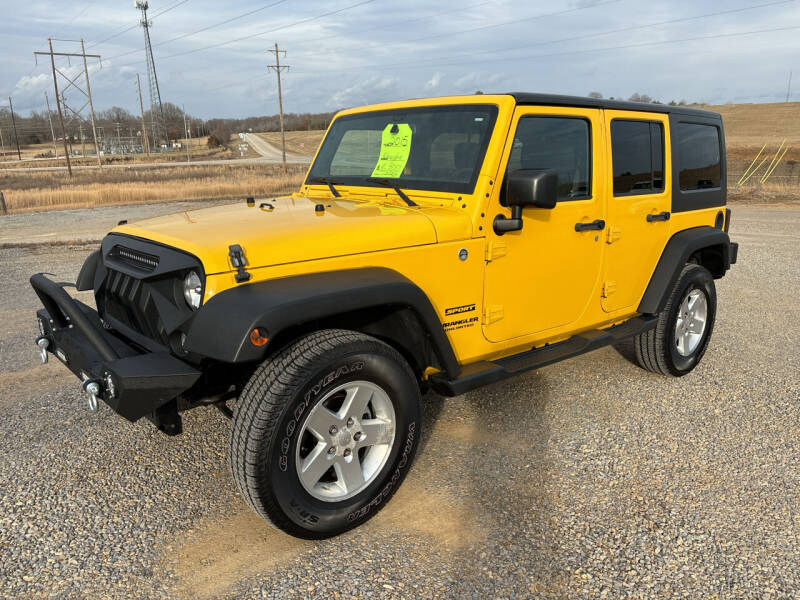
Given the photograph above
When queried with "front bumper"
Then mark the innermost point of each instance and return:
(134, 383)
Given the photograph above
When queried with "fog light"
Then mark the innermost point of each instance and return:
(258, 337)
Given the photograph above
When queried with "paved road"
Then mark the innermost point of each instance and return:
(588, 478)
(273, 153)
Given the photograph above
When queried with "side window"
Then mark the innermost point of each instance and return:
(698, 156)
(560, 143)
(637, 154)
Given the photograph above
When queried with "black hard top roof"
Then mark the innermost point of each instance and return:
(580, 101)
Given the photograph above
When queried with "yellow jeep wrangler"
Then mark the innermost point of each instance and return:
(445, 243)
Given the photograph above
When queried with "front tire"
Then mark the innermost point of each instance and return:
(324, 433)
(680, 338)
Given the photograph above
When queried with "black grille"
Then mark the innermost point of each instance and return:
(135, 258)
(129, 300)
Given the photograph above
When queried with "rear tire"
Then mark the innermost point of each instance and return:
(680, 338)
(324, 433)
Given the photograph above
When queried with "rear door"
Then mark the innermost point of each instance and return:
(638, 206)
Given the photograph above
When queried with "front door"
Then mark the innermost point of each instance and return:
(638, 211)
(543, 276)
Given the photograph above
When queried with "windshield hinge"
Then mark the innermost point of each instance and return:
(238, 261)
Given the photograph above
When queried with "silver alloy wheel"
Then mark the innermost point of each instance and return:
(691, 322)
(345, 441)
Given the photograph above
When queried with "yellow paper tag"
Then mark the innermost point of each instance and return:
(395, 148)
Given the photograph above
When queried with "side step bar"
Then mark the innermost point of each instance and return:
(483, 373)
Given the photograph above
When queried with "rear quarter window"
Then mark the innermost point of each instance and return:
(699, 156)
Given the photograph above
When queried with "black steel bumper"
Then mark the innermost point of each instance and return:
(134, 383)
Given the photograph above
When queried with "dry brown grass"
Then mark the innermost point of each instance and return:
(55, 190)
(303, 143)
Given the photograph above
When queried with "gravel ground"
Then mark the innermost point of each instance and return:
(586, 479)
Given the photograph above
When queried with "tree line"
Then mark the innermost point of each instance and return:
(35, 127)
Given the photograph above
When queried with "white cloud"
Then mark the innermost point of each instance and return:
(32, 82)
(372, 90)
(434, 81)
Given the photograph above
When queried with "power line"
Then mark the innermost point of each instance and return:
(583, 36)
(437, 62)
(563, 53)
(247, 37)
(135, 25)
(191, 33)
(395, 24)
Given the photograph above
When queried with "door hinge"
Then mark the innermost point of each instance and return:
(495, 249)
(614, 233)
(609, 287)
(492, 313)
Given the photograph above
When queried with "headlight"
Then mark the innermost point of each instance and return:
(193, 290)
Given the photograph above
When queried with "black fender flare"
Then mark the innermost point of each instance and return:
(85, 279)
(676, 254)
(221, 328)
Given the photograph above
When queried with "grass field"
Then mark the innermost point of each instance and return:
(747, 128)
(37, 190)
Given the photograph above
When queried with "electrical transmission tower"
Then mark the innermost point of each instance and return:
(158, 125)
(61, 102)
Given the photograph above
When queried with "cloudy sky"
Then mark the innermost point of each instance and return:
(212, 56)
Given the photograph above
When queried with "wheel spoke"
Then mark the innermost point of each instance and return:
(376, 432)
(313, 466)
(349, 473)
(320, 420)
(355, 404)
(687, 341)
(696, 326)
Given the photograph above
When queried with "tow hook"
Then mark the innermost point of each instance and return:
(43, 344)
(92, 389)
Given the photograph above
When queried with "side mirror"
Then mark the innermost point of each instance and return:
(527, 187)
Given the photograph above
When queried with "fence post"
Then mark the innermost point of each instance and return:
(3, 209)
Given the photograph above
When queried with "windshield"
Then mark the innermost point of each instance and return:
(438, 148)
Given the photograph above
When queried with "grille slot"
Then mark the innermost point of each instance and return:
(135, 258)
(128, 300)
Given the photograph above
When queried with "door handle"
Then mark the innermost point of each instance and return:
(662, 216)
(597, 224)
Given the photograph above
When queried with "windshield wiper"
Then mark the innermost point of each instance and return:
(396, 188)
(329, 182)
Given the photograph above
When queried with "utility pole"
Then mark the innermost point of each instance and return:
(188, 132)
(277, 66)
(83, 140)
(14, 125)
(50, 118)
(91, 106)
(789, 86)
(2, 142)
(141, 110)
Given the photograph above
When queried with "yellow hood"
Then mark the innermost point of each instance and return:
(294, 231)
